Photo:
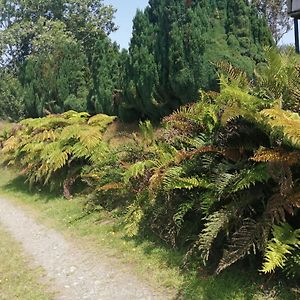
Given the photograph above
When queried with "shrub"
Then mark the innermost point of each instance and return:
(54, 149)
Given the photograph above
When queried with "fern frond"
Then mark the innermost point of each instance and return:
(134, 216)
(285, 239)
(232, 73)
(101, 121)
(250, 177)
(292, 264)
(240, 244)
(278, 206)
(172, 180)
(214, 224)
(285, 122)
(183, 209)
(277, 155)
(137, 169)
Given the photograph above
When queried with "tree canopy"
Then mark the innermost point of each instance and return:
(49, 47)
(175, 44)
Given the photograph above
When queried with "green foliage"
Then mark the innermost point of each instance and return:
(173, 47)
(22, 21)
(55, 77)
(282, 250)
(54, 149)
(106, 68)
(221, 173)
(11, 97)
(57, 52)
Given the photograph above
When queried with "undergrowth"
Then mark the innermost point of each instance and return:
(152, 260)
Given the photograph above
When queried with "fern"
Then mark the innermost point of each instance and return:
(284, 122)
(232, 73)
(183, 209)
(241, 243)
(147, 132)
(250, 177)
(276, 156)
(292, 265)
(137, 169)
(134, 215)
(48, 149)
(214, 223)
(284, 241)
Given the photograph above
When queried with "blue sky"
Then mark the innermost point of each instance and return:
(126, 10)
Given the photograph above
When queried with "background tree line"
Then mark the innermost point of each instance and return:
(57, 55)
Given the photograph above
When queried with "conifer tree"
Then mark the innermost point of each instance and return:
(55, 77)
(106, 72)
(175, 44)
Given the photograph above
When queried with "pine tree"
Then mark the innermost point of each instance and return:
(175, 44)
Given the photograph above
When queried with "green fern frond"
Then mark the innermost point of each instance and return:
(214, 224)
(292, 265)
(232, 73)
(101, 121)
(137, 169)
(183, 209)
(250, 177)
(285, 240)
(134, 216)
(147, 132)
(173, 180)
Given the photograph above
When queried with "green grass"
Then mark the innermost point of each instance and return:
(149, 259)
(17, 280)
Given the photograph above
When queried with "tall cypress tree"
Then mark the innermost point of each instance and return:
(174, 45)
(106, 72)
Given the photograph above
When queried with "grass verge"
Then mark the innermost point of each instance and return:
(149, 259)
(17, 280)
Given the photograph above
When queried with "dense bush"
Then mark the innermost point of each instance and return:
(54, 149)
(220, 179)
(54, 52)
(62, 58)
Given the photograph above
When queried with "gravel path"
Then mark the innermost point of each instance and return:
(75, 274)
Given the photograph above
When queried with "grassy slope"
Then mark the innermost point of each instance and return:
(149, 259)
(17, 280)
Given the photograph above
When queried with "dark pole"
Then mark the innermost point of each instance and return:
(296, 25)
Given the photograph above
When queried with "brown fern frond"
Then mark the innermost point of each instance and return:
(282, 174)
(185, 155)
(110, 186)
(278, 206)
(277, 155)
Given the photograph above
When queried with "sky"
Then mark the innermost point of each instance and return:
(126, 10)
